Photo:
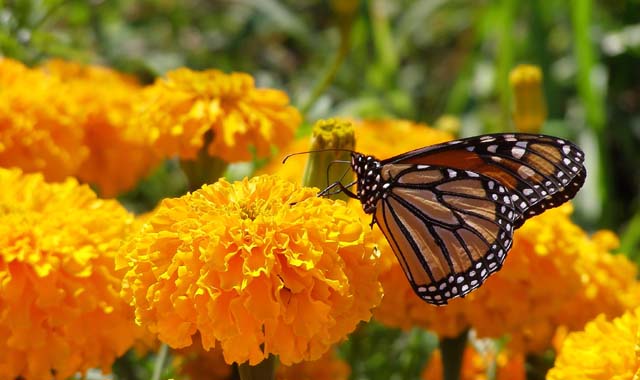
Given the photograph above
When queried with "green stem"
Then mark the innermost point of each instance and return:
(52, 9)
(505, 59)
(265, 370)
(332, 70)
(592, 99)
(205, 168)
(630, 238)
(158, 366)
(452, 350)
(382, 38)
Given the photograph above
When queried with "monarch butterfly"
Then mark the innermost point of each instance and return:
(449, 211)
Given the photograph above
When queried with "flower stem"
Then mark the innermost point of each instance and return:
(205, 168)
(265, 370)
(452, 350)
(160, 361)
(345, 25)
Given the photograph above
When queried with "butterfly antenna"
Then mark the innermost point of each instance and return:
(284, 160)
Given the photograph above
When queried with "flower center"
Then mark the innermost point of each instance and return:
(251, 210)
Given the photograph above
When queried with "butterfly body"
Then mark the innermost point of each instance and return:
(449, 211)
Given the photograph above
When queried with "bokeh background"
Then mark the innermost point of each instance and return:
(416, 60)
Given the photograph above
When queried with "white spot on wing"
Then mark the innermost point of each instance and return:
(525, 171)
(517, 152)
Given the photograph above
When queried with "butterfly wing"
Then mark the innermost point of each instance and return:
(450, 229)
(539, 172)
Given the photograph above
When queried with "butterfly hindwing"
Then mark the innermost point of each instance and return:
(450, 229)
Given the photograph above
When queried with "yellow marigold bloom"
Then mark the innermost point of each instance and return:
(530, 110)
(60, 309)
(119, 155)
(604, 350)
(477, 364)
(181, 108)
(38, 126)
(261, 266)
(607, 283)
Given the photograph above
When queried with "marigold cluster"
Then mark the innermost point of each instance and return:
(65, 119)
(60, 309)
(184, 107)
(38, 127)
(260, 266)
(119, 153)
(604, 350)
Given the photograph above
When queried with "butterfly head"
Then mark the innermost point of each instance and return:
(369, 182)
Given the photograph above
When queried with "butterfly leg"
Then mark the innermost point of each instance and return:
(341, 187)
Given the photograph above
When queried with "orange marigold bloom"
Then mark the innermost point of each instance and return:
(38, 127)
(181, 108)
(261, 266)
(604, 350)
(477, 362)
(119, 153)
(60, 309)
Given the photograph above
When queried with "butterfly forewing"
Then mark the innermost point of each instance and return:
(445, 228)
(540, 172)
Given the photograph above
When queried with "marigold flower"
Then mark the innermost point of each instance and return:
(477, 363)
(261, 266)
(60, 309)
(604, 350)
(181, 108)
(119, 153)
(38, 127)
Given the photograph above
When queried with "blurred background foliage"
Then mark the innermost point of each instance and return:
(404, 59)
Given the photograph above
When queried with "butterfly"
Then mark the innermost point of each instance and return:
(449, 211)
